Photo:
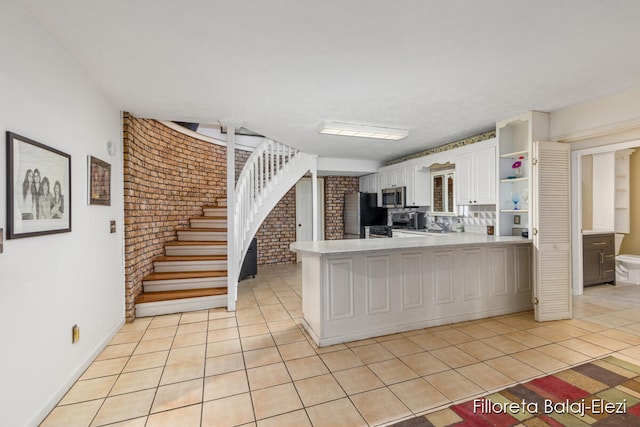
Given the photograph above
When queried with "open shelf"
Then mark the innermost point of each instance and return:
(524, 178)
(514, 210)
(514, 155)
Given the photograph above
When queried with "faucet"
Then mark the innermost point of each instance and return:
(444, 226)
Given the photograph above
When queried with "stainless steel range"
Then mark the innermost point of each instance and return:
(379, 231)
(409, 220)
(400, 220)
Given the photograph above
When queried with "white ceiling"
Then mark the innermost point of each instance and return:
(442, 69)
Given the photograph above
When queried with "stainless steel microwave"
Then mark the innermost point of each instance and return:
(394, 197)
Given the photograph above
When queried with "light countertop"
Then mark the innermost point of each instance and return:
(365, 245)
(589, 232)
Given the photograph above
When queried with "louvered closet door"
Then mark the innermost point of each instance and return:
(551, 231)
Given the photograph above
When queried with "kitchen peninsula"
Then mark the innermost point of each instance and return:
(357, 289)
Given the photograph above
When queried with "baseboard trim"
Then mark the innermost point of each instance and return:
(64, 388)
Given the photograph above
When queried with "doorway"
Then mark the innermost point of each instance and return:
(582, 194)
(304, 210)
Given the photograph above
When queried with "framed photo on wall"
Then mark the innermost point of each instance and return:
(38, 188)
(99, 182)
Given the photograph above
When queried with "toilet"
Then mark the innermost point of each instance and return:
(627, 266)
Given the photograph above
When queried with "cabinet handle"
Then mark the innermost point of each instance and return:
(601, 258)
(599, 243)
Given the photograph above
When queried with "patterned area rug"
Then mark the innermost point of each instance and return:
(604, 392)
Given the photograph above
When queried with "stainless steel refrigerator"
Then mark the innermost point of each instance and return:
(360, 210)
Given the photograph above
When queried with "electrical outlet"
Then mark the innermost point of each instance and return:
(75, 334)
(112, 226)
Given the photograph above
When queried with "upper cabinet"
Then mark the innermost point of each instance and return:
(515, 139)
(476, 175)
(369, 183)
(418, 190)
(392, 177)
(413, 177)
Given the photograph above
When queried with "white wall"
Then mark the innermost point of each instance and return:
(610, 119)
(341, 167)
(49, 283)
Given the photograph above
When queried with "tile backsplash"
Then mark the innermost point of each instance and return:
(474, 219)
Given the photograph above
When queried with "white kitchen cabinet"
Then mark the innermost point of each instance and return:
(392, 177)
(407, 284)
(464, 179)
(399, 177)
(415, 179)
(417, 183)
(476, 175)
(369, 183)
(385, 178)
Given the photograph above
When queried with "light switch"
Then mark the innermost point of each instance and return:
(112, 225)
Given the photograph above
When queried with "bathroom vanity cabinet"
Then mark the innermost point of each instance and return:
(598, 258)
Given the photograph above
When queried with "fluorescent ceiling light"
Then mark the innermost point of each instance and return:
(349, 129)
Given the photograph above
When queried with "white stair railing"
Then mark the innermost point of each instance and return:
(269, 173)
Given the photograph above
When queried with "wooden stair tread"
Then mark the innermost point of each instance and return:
(215, 217)
(181, 294)
(205, 229)
(173, 275)
(191, 258)
(195, 243)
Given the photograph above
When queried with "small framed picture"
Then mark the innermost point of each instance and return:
(38, 188)
(516, 219)
(99, 182)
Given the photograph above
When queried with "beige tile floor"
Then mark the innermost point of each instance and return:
(257, 366)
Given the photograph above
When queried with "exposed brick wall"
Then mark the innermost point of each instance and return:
(278, 231)
(438, 198)
(335, 187)
(168, 177)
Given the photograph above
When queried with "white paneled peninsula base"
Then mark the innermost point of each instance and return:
(356, 289)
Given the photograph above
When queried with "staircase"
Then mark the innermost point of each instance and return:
(192, 275)
(269, 173)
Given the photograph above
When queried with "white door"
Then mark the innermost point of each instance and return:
(304, 210)
(551, 231)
